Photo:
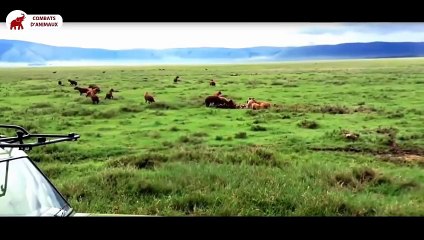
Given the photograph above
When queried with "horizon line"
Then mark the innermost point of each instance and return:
(19, 65)
(257, 46)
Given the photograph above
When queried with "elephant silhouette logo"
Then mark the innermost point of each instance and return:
(19, 20)
(17, 23)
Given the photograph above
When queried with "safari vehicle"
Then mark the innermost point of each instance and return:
(24, 189)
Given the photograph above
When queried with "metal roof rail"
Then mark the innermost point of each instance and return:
(42, 139)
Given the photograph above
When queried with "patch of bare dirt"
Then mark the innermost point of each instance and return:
(407, 159)
(397, 155)
(365, 109)
(345, 149)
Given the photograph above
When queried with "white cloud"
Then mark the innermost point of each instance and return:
(177, 35)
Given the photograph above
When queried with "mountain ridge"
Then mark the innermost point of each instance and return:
(14, 51)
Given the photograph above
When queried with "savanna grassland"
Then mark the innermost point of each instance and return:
(177, 157)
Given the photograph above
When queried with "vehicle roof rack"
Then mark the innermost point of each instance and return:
(22, 134)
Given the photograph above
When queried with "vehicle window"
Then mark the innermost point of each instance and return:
(24, 191)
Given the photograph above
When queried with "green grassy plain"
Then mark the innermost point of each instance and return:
(177, 157)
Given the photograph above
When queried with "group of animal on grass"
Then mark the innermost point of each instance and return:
(219, 101)
(90, 91)
(216, 100)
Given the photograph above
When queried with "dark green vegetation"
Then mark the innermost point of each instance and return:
(177, 157)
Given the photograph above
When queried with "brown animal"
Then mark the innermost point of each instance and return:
(253, 104)
(217, 94)
(94, 86)
(91, 92)
(73, 82)
(95, 99)
(228, 104)
(82, 90)
(351, 136)
(219, 102)
(109, 95)
(212, 83)
(176, 79)
(214, 101)
(60, 83)
(148, 98)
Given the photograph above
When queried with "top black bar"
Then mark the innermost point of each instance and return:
(227, 11)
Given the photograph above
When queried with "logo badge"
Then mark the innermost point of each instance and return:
(19, 20)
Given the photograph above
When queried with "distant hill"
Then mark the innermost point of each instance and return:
(12, 51)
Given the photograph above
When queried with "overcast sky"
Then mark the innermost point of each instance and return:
(232, 35)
